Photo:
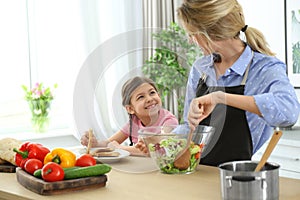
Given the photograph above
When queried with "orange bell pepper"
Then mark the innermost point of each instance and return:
(63, 157)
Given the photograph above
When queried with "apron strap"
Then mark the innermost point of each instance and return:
(247, 71)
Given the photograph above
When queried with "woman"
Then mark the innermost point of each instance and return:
(143, 104)
(238, 86)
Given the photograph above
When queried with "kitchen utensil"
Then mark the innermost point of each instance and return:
(182, 153)
(89, 141)
(275, 138)
(239, 181)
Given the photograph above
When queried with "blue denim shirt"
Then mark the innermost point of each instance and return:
(267, 82)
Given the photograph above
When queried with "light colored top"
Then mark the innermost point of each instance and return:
(267, 82)
(165, 118)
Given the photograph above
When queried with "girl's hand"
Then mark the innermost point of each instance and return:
(141, 146)
(202, 106)
(85, 139)
(114, 145)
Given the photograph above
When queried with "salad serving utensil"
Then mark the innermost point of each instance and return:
(275, 138)
(183, 157)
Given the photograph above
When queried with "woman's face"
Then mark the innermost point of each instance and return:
(201, 42)
(145, 101)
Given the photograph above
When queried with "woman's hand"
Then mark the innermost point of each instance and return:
(202, 106)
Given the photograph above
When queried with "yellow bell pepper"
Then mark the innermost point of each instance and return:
(61, 156)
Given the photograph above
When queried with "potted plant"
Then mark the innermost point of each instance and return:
(170, 65)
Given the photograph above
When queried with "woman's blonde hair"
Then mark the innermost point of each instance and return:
(218, 20)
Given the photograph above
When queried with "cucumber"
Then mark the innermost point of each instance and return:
(38, 173)
(81, 172)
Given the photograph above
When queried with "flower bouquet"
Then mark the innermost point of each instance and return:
(39, 100)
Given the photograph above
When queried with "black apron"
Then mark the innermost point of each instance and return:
(232, 139)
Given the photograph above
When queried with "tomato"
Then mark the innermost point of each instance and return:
(52, 172)
(201, 146)
(197, 155)
(85, 160)
(32, 164)
(23, 162)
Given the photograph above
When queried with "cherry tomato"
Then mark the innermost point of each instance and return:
(52, 172)
(32, 164)
(197, 155)
(85, 160)
(23, 162)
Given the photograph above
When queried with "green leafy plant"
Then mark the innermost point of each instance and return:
(170, 65)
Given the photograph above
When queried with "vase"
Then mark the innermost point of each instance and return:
(40, 124)
(40, 118)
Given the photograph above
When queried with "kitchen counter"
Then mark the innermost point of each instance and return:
(148, 184)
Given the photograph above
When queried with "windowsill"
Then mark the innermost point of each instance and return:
(32, 135)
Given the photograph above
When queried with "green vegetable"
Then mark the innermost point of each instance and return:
(195, 149)
(38, 173)
(81, 172)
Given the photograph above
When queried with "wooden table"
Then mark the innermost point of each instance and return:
(122, 184)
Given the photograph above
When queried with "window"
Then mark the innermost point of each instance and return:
(48, 41)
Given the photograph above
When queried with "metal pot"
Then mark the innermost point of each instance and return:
(239, 181)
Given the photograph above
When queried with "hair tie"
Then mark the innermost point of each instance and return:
(217, 58)
(244, 28)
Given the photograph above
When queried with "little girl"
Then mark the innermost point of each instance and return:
(143, 104)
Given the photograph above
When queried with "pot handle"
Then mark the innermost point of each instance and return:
(263, 182)
(229, 179)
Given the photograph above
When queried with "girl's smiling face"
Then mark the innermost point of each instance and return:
(145, 103)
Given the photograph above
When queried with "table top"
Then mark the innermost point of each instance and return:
(128, 182)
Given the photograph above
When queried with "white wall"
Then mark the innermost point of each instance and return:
(268, 17)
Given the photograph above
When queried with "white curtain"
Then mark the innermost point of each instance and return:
(97, 92)
(157, 15)
(89, 48)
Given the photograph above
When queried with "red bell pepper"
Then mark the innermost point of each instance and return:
(30, 150)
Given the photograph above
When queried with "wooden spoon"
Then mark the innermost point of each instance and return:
(89, 141)
(275, 138)
(182, 160)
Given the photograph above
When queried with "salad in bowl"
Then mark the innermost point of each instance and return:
(165, 143)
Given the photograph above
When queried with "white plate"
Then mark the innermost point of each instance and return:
(123, 154)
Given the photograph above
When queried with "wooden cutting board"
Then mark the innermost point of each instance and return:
(8, 168)
(49, 188)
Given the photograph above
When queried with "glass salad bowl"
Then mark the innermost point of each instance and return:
(166, 145)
